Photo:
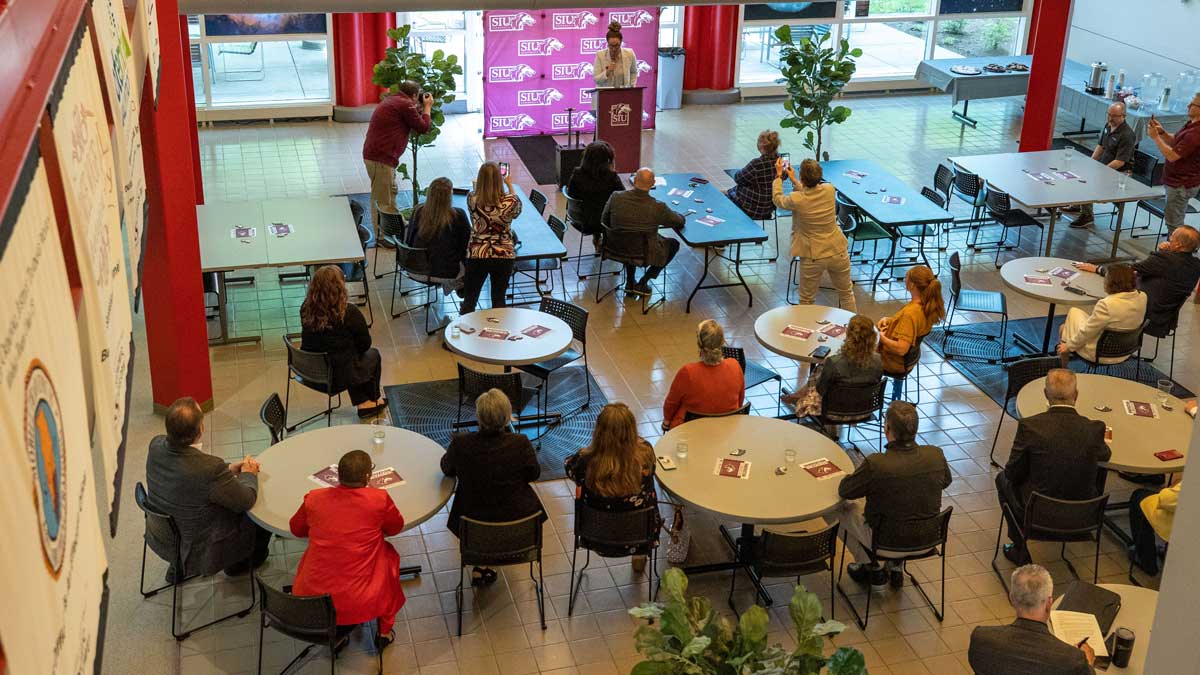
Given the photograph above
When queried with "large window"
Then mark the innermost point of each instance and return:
(890, 49)
(670, 26)
(759, 62)
(446, 31)
(977, 37)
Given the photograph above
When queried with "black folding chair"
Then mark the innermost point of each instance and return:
(614, 534)
(539, 201)
(274, 417)
(753, 373)
(1020, 373)
(514, 542)
(576, 218)
(310, 619)
(532, 270)
(852, 405)
(970, 300)
(472, 383)
(628, 248)
(314, 371)
(414, 263)
(912, 366)
(576, 317)
(1118, 344)
(689, 415)
(792, 554)
(1056, 520)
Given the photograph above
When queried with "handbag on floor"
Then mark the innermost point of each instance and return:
(679, 537)
(809, 403)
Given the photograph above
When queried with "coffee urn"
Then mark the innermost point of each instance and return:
(1096, 83)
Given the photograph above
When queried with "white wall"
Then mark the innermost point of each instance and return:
(1138, 35)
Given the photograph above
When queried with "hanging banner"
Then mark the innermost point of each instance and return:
(53, 553)
(85, 157)
(538, 63)
(124, 96)
(144, 44)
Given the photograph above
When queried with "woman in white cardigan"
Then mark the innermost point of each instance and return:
(1124, 308)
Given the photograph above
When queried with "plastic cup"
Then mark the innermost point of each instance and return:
(1067, 155)
(1122, 179)
(454, 331)
(789, 456)
(1164, 390)
(681, 449)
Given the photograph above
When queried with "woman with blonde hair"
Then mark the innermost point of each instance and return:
(492, 248)
(898, 334)
(752, 189)
(330, 324)
(443, 229)
(616, 471)
(712, 385)
(816, 238)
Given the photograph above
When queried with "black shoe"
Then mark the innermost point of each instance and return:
(1081, 223)
(896, 578)
(1016, 556)
(383, 641)
(862, 573)
(373, 410)
(170, 576)
(636, 289)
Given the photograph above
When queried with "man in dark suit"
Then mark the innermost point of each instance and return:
(1054, 453)
(1026, 646)
(903, 482)
(630, 214)
(207, 498)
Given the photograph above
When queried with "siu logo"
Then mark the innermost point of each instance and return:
(573, 20)
(577, 120)
(503, 123)
(585, 97)
(517, 73)
(538, 97)
(643, 67)
(571, 71)
(634, 19)
(543, 47)
(591, 45)
(510, 23)
(619, 114)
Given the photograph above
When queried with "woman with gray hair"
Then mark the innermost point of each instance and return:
(752, 189)
(494, 467)
(712, 385)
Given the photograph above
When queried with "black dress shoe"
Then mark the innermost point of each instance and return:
(1016, 556)
(862, 573)
(896, 578)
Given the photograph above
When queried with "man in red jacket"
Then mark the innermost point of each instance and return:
(387, 137)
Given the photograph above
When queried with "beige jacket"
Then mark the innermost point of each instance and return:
(815, 231)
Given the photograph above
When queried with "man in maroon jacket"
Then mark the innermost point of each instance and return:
(387, 137)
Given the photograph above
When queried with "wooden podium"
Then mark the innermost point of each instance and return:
(619, 123)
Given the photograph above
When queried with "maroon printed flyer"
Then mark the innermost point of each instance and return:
(834, 330)
(380, 478)
(732, 468)
(797, 332)
(1140, 409)
(821, 469)
(1037, 281)
(535, 331)
(493, 333)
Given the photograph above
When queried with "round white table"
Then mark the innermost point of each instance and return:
(508, 352)
(1013, 274)
(1136, 614)
(284, 479)
(769, 327)
(1135, 439)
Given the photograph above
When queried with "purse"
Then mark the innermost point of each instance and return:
(679, 537)
(809, 403)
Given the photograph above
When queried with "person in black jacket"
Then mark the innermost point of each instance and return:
(331, 325)
(592, 183)
(1055, 453)
(443, 229)
(494, 468)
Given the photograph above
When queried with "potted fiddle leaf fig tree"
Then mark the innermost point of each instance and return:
(814, 73)
(434, 74)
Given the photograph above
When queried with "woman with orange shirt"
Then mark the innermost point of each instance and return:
(898, 334)
(712, 385)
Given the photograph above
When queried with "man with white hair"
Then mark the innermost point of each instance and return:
(630, 216)
(1116, 147)
(1026, 646)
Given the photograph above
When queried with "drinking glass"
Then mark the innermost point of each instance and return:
(1164, 390)
(1067, 152)
(1122, 179)
(455, 332)
(681, 449)
(789, 456)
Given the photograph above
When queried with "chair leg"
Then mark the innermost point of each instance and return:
(262, 627)
(732, 586)
(996, 553)
(861, 620)
(996, 438)
(541, 591)
(939, 613)
(1096, 561)
(458, 598)
(587, 380)
(576, 583)
(1062, 554)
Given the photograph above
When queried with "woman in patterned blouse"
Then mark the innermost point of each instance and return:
(491, 251)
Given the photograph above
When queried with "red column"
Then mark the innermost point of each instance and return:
(191, 106)
(710, 36)
(1049, 54)
(176, 333)
(359, 41)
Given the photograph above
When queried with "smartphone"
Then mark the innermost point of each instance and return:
(820, 352)
(787, 160)
(666, 463)
(503, 169)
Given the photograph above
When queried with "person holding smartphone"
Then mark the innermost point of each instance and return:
(491, 252)
(816, 238)
(1181, 174)
(615, 66)
(752, 188)
(401, 113)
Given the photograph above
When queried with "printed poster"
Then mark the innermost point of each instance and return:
(89, 181)
(53, 554)
(144, 42)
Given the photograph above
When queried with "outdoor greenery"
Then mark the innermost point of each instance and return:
(882, 7)
(687, 637)
(954, 26)
(435, 75)
(997, 35)
(814, 73)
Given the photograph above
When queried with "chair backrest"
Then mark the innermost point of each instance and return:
(933, 196)
(364, 236)
(508, 543)
(1021, 373)
(160, 527)
(312, 367)
(557, 226)
(912, 535)
(943, 180)
(791, 554)
(391, 225)
(736, 353)
(998, 202)
(1119, 344)
(846, 219)
(539, 201)
(1143, 165)
(273, 416)
(628, 246)
(913, 356)
(310, 619)
(472, 383)
(854, 401)
(575, 212)
(357, 212)
(955, 276)
(1050, 519)
(606, 530)
(573, 315)
(967, 183)
(413, 260)
(689, 415)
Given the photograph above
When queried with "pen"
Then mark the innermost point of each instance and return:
(1082, 643)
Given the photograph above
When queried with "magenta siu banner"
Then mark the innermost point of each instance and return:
(538, 63)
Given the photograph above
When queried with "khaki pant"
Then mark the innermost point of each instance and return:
(838, 268)
(855, 530)
(383, 187)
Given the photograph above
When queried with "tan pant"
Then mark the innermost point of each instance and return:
(855, 530)
(838, 267)
(383, 186)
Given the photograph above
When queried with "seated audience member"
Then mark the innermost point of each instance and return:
(857, 363)
(816, 238)
(494, 468)
(443, 229)
(1167, 277)
(712, 385)
(1054, 453)
(902, 483)
(630, 214)
(1115, 149)
(1123, 308)
(616, 471)
(592, 183)
(899, 333)
(329, 324)
(1151, 513)
(491, 252)
(348, 556)
(752, 183)
(207, 498)
(1026, 646)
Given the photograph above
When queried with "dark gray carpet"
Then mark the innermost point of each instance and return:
(429, 408)
(991, 378)
(537, 152)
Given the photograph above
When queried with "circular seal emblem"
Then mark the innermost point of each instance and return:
(45, 451)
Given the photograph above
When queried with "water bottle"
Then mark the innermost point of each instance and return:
(1164, 102)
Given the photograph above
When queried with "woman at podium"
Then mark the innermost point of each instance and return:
(615, 66)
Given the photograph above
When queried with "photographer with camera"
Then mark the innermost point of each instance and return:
(387, 137)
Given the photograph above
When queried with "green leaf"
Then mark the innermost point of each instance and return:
(651, 668)
(753, 625)
(675, 623)
(646, 611)
(828, 628)
(674, 584)
(856, 52)
(847, 661)
(784, 34)
(695, 647)
(402, 169)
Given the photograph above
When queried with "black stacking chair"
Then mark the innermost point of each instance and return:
(414, 264)
(689, 415)
(612, 534)
(630, 248)
(472, 383)
(274, 417)
(314, 371)
(391, 230)
(943, 183)
(575, 218)
(539, 201)
(753, 373)
(969, 300)
(912, 366)
(1000, 208)
(1142, 169)
(1169, 333)
(1118, 344)
(851, 405)
(310, 619)
(1060, 521)
(788, 554)
(576, 317)
(532, 269)
(1020, 373)
(969, 188)
(901, 541)
(164, 528)
(497, 544)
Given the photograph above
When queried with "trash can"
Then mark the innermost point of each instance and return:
(670, 78)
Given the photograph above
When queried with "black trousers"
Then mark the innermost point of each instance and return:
(364, 375)
(653, 271)
(1145, 549)
(478, 270)
(262, 548)
(1007, 495)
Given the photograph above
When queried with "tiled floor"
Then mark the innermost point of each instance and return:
(633, 357)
